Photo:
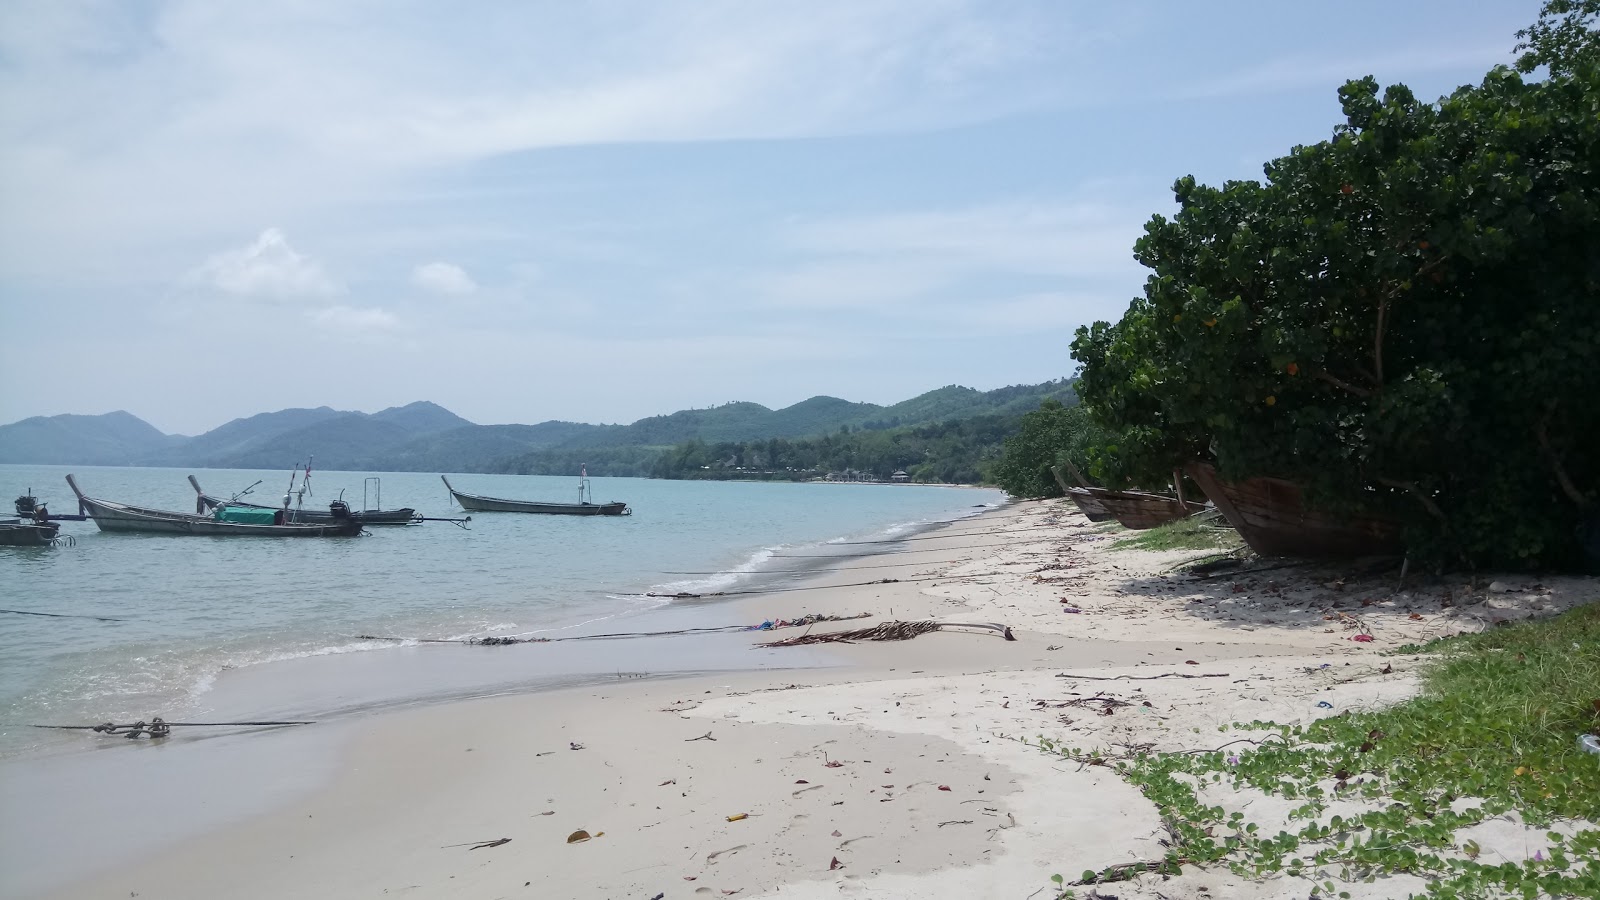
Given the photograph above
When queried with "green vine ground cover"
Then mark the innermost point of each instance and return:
(1493, 732)
(1191, 533)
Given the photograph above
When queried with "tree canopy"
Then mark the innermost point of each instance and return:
(1405, 316)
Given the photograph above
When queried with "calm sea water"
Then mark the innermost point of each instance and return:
(190, 608)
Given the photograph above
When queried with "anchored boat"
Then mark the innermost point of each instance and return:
(17, 533)
(205, 503)
(480, 503)
(224, 520)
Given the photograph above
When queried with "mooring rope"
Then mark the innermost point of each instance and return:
(686, 595)
(24, 612)
(157, 727)
(619, 635)
(886, 631)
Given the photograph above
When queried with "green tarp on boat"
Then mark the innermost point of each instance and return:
(245, 515)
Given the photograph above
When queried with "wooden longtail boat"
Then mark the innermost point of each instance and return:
(1271, 515)
(480, 503)
(1081, 498)
(1141, 509)
(17, 533)
(205, 503)
(111, 516)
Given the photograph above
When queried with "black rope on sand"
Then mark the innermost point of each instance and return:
(24, 612)
(885, 631)
(685, 595)
(157, 727)
(615, 636)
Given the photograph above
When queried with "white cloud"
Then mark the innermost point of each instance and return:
(443, 278)
(354, 319)
(1073, 239)
(267, 268)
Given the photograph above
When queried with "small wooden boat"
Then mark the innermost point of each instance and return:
(1081, 498)
(1271, 515)
(1143, 509)
(225, 521)
(205, 503)
(480, 503)
(17, 533)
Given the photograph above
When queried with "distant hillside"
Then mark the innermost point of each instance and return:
(424, 436)
(114, 439)
(221, 446)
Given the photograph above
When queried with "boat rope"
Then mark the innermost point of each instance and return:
(1000, 546)
(798, 572)
(685, 595)
(24, 612)
(158, 727)
(618, 635)
(935, 537)
(886, 631)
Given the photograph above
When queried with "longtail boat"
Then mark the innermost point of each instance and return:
(1143, 509)
(225, 521)
(1091, 508)
(480, 503)
(1271, 515)
(17, 533)
(205, 503)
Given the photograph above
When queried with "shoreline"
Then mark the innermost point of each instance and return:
(949, 710)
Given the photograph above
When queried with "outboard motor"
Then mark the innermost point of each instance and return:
(26, 504)
(339, 509)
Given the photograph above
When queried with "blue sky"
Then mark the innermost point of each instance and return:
(603, 211)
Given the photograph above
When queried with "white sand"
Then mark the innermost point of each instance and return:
(908, 773)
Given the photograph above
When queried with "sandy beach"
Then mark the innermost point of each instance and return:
(871, 769)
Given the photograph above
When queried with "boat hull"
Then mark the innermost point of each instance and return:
(122, 517)
(1271, 515)
(23, 534)
(205, 503)
(1140, 510)
(1089, 505)
(479, 503)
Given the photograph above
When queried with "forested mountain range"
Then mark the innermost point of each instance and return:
(424, 436)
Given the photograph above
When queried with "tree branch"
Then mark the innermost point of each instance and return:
(1324, 375)
(1562, 479)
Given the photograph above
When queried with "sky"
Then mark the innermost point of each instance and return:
(600, 211)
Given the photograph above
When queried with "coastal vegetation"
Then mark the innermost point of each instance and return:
(1393, 791)
(1403, 318)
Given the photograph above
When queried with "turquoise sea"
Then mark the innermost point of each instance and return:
(188, 609)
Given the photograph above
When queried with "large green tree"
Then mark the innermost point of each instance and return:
(1404, 316)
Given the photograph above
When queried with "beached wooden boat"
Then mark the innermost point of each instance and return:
(17, 533)
(1271, 515)
(1081, 498)
(205, 503)
(480, 503)
(1143, 509)
(110, 516)
(1089, 505)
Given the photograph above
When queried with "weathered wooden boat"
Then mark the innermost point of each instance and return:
(1143, 509)
(1272, 517)
(205, 503)
(480, 503)
(225, 521)
(1089, 505)
(1081, 498)
(18, 533)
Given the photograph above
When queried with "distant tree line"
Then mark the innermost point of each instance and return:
(960, 451)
